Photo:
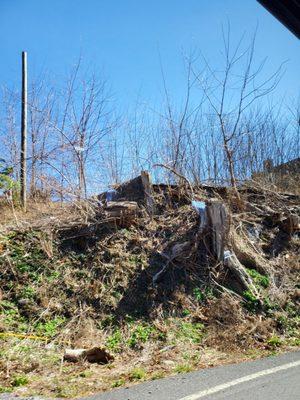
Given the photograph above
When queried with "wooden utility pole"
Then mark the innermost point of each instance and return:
(23, 172)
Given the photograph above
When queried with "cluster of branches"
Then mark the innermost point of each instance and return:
(222, 131)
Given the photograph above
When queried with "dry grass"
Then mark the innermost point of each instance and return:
(33, 368)
(39, 214)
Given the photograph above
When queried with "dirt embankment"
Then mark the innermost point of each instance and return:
(154, 289)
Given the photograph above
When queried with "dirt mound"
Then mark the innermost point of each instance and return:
(138, 282)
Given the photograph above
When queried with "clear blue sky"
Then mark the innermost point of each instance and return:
(122, 38)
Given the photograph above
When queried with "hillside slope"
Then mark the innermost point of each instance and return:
(147, 289)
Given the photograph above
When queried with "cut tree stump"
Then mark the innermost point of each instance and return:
(148, 191)
(124, 212)
(213, 239)
(138, 190)
(215, 230)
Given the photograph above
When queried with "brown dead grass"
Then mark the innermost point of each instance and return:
(39, 213)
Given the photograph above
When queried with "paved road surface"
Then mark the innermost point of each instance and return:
(273, 378)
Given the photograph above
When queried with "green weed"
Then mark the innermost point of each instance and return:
(86, 374)
(49, 328)
(203, 295)
(198, 294)
(53, 276)
(137, 374)
(157, 375)
(259, 279)
(8, 308)
(114, 341)
(19, 380)
(191, 332)
(182, 368)
(5, 389)
(28, 292)
(252, 302)
(118, 383)
(140, 334)
(295, 342)
(274, 342)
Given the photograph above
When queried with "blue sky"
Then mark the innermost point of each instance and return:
(123, 38)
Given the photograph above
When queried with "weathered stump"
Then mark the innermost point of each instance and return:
(124, 212)
(213, 229)
(138, 190)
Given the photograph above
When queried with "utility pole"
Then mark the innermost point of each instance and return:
(23, 172)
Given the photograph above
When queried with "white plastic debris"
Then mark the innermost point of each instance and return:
(200, 207)
(227, 254)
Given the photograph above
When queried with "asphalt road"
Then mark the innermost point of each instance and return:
(272, 378)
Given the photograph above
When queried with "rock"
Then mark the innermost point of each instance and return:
(169, 363)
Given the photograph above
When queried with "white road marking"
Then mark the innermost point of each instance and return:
(238, 381)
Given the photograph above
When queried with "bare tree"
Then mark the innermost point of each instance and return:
(231, 92)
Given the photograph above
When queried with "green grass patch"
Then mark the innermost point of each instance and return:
(49, 328)
(118, 383)
(274, 342)
(259, 279)
(114, 341)
(183, 368)
(19, 380)
(137, 374)
(191, 332)
(140, 334)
